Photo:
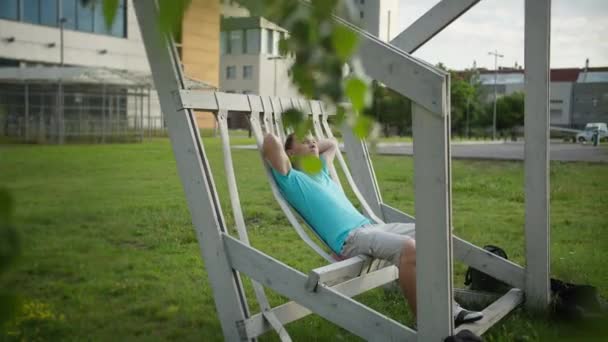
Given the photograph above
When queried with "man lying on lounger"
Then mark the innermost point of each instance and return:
(321, 202)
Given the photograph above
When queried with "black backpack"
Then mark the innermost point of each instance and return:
(479, 281)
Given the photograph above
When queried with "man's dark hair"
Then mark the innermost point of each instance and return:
(289, 141)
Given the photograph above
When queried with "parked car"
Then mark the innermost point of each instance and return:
(590, 128)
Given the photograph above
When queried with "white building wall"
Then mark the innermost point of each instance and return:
(560, 107)
(80, 48)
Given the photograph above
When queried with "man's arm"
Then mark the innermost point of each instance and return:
(275, 155)
(328, 149)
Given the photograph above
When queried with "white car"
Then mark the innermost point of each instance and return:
(590, 128)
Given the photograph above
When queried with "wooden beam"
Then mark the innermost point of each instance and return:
(431, 23)
(292, 311)
(433, 221)
(536, 151)
(194, 172)
(495, 312)
(489, 263)
(391, 214)
(326, 302)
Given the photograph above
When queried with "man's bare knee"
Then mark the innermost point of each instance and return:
(408, 254)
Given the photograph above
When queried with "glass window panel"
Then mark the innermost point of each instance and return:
(118, 26)
(223, 43)
(236, 42)
(253, 41)
(85, 17)
(247, 72)
(68, 11)
(99, 20)
(231, 72)
(9, 9)
(49, 12)
(31, 11)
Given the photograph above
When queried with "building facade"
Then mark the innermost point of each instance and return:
(31, 33)
(578, 96)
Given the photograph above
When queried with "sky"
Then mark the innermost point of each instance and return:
(579, 30)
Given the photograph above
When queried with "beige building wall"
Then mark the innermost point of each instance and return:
(201, 47)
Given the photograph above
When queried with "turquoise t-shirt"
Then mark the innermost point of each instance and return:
(321, 202)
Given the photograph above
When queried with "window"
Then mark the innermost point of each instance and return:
(31, 11)
(84, 15)
(247, 72)
(252, 45)
(86, 18)
(556, 113)
(362, 2)
(68, 12)
(9, 9)
(231, 72)
(224, 43)
(236, 42)
(557, 101)
(269, 42)
(49, 12)
(361, 14)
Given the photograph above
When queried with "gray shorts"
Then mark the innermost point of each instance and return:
(381, 241)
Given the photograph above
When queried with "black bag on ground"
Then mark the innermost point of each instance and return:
(573, 301)
(479, 281)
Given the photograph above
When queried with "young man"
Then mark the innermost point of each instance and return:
(321, 202)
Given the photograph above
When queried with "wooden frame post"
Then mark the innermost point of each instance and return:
(433, 220)
(195, 174)
(536, 151)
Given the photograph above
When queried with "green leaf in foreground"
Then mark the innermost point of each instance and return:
(292, 117)
(355, 90)
(170, 14)
(310, 164)
(109, 11)
(344, 42)
(303, 128)
(363, 126)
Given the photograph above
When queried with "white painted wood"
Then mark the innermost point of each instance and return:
(536, 152)
(495, 312)
(472, 299)
(196, 99)
(416, 79)
(316, 113)
(433, 222)
(489, 263)
(432, 22)
(195, 174)
(391, 214)
(239, 219)
(326, 302)
(292, 311)
(361, 166)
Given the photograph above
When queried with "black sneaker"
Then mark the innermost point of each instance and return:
(465, 316)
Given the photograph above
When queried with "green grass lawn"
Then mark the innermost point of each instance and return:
(109, 252)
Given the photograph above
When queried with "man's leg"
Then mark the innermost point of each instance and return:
(407, 273)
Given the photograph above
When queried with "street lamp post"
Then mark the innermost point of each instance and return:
(496, 56)
(60, 102)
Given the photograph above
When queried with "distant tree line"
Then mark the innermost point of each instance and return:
(471, 108)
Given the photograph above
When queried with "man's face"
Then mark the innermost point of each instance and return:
(306, 146)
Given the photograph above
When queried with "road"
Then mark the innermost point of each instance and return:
(508, 151)
(560, 151)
